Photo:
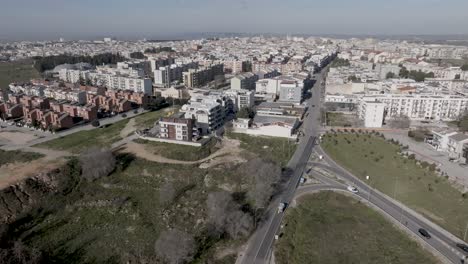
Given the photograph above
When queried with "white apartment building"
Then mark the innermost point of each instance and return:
(372, 112)
(241, 98)
(112, 78)
(341, 98)
(268, 86)
(73, 76)
(208, 113)
(421, 106)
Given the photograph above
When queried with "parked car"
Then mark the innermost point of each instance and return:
(424, 233)
(462, 247)
(352, 189)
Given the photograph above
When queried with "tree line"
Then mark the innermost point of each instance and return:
(50, 62)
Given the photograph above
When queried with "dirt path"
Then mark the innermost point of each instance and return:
(229, 152)
(128, 129)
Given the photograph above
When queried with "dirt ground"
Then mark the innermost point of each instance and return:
(128, 129)
(228, 153)
(16, 138)
(12, 173)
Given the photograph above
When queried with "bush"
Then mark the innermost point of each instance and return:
(95, 123)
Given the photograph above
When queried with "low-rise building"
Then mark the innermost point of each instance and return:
(181, 129)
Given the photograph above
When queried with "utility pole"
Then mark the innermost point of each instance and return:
(466, 230)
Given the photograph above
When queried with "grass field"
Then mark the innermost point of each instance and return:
(331, 228)
(7, 157)
(76, 142)
(401, 178)
(121, 215)
(180, 152)
(118, 218)
(16, 71)
(338, 119)
(279, 150)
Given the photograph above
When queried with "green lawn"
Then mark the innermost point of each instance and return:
(7, 157)
(16, 71)
(331, 228)
(180, 152)
(401, 178)
(338, 119)
(279, 150)
(79, 141)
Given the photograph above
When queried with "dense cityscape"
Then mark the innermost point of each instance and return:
(244, 148)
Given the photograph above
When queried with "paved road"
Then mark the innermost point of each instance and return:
(47, 136)
(260, 244)
(441, 241)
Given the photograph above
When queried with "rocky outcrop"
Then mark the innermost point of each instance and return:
(21, 197)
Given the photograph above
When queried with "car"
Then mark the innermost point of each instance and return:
(424, 233)
(313, 105)
(462, 247)
(302, 180)
(352, 189)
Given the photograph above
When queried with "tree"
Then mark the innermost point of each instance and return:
(400, 122)
(266, 180)
(390, 75)
(463, 123)
(137, 55)
(464, 67)
(175, 246)
(167, 192)
(457, 77)
(225, 215)
(96, 163)
(245, 112)
(95, 123)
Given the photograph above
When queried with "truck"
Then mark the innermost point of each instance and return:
(281, 207)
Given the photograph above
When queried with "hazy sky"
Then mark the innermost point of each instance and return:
(45, 19)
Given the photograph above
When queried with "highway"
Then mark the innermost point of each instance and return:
(260, 245)
(442, 241)
(261, 242)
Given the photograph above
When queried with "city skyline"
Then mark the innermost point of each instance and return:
(176, 19)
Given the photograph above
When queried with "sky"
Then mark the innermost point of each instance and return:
(72, 19)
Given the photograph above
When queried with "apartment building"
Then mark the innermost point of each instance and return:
(166, 75)
(208, 113)
(291, 91)
(244, 81)
(241, 98)
(201, 77)
(10, 110)
(112, 78)
(372, 112)
(181, 129)
(421, 106)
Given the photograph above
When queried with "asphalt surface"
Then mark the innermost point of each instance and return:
(441, 240)
(260, 244)
(259, 247)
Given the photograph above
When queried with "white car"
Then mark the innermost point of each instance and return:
(352, 189)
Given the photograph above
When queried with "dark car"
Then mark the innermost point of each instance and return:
(424, 233)
(463, 247)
